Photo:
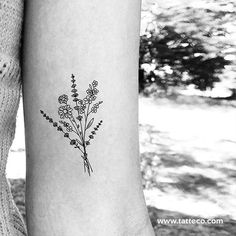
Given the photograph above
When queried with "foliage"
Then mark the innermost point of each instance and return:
(185, 45)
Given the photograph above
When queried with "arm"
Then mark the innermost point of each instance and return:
(96, 41)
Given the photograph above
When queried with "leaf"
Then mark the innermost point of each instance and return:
(90, 123)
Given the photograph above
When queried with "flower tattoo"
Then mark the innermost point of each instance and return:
(76, 124)
(65, 111)
(63, 99)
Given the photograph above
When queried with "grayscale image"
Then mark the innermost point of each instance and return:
(117, 118)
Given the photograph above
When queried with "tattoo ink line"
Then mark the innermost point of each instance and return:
(77, 131)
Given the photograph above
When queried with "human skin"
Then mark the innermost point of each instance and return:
(94, 40)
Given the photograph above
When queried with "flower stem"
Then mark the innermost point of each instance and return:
(87, 165)
(86, 119)
(76, 129)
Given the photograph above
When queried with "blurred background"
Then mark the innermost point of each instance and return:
(187, 86)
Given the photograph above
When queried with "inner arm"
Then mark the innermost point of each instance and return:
(94, 189)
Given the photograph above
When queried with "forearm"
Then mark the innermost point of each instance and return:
(95, 41)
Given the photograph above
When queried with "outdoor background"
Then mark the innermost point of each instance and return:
(187, 116)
